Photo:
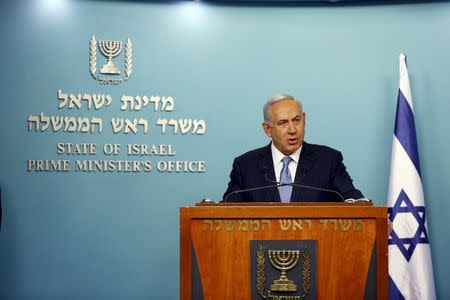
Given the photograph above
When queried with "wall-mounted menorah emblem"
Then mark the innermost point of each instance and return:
(110, 49)
(110, 73)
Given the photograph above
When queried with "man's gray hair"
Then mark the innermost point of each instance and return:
(275, 99)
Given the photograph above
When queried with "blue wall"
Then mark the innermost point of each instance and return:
(76, 235)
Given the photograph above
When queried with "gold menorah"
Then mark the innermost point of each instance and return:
(284, 260)
(110, 49)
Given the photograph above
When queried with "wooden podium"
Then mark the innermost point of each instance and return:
(351, 239)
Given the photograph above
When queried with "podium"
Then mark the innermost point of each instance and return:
(224, 251)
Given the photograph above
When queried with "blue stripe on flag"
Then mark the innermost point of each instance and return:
(405, 129)
(394, 293)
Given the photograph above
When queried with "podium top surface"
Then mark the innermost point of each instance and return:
(290, 204)
(284, 210)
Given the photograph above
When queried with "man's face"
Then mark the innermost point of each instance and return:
(287, 126)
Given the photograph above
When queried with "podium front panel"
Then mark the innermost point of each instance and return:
(219, 244)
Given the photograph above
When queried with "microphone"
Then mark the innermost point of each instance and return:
(252, 189)
(278, 184)
(297, 184)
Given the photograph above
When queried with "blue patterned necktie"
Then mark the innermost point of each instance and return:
(285, 177)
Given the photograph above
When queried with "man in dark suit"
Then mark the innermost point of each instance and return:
(289, 159)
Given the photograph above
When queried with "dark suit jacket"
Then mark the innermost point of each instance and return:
(319, 166)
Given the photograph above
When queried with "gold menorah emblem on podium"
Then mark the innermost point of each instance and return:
(283, 260)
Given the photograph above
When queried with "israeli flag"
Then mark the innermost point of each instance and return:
(410, 267)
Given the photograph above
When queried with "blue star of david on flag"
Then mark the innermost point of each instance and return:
(404, 205)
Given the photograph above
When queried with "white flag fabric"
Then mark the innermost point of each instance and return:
(410, 266)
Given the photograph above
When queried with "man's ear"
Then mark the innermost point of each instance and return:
(267, 129)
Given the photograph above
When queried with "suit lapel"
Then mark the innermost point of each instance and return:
(266, 166)
(304, 167)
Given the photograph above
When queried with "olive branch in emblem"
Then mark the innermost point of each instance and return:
(306, 272)
(93, 56)
(128, 58)
(260, 271)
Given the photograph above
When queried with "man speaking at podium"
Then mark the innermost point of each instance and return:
(289, 169)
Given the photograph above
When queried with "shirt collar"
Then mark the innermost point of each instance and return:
(278, 156)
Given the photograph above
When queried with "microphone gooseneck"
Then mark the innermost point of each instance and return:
(278, 184)
(297, 184)
(249, 190)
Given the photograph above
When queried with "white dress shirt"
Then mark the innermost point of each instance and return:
(277, 157)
